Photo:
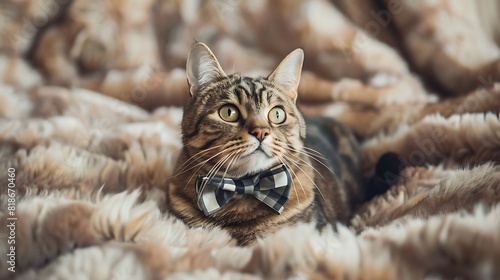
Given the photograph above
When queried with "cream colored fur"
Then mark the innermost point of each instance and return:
(90, 107)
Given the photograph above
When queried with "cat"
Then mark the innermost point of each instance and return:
(237, 130)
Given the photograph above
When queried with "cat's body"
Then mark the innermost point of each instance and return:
(237, 127)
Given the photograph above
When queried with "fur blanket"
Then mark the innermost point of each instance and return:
(91, 95)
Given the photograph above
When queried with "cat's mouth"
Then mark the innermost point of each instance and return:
(256, 158)
(259, 151)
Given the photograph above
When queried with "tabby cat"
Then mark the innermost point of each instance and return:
(246, 164)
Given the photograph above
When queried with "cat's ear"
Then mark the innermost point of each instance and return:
(202, 67)
(287, 74)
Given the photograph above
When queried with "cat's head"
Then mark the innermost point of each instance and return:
(240, 125)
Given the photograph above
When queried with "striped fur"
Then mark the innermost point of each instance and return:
(325, 181)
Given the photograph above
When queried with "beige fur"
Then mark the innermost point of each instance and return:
(300, 250)
(423, 191)
(446, 39)
(465, 139)
(89, 118)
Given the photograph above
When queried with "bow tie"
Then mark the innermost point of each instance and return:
(271, 187)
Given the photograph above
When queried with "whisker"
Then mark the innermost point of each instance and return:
(302, 160)
(218, 166)
(310, 179)
(308, 163)
(188, 168)
(314, 152)
(306, 150)
(312, 157)
(235, 158)
(199, 154)
(296, 163)
(203, 163)
(293, 182)
(215, 169)
(277, 147)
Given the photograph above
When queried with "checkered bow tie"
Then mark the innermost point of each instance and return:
(271, 187)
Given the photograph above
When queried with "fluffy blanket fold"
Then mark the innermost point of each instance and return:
(91, 95)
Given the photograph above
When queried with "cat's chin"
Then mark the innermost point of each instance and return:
(253, 163)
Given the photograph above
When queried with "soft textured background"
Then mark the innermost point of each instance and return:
(90, 102)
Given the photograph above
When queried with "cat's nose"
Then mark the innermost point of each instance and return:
(260, 132)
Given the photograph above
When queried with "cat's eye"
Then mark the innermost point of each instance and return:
(229, 113)
(277, 115)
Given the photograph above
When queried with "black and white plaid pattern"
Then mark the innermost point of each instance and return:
(272, 187)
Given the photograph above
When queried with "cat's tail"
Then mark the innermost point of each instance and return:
(387, 174)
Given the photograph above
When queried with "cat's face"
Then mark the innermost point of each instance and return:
(239, 126)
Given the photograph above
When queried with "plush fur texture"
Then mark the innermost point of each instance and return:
(90, 119)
